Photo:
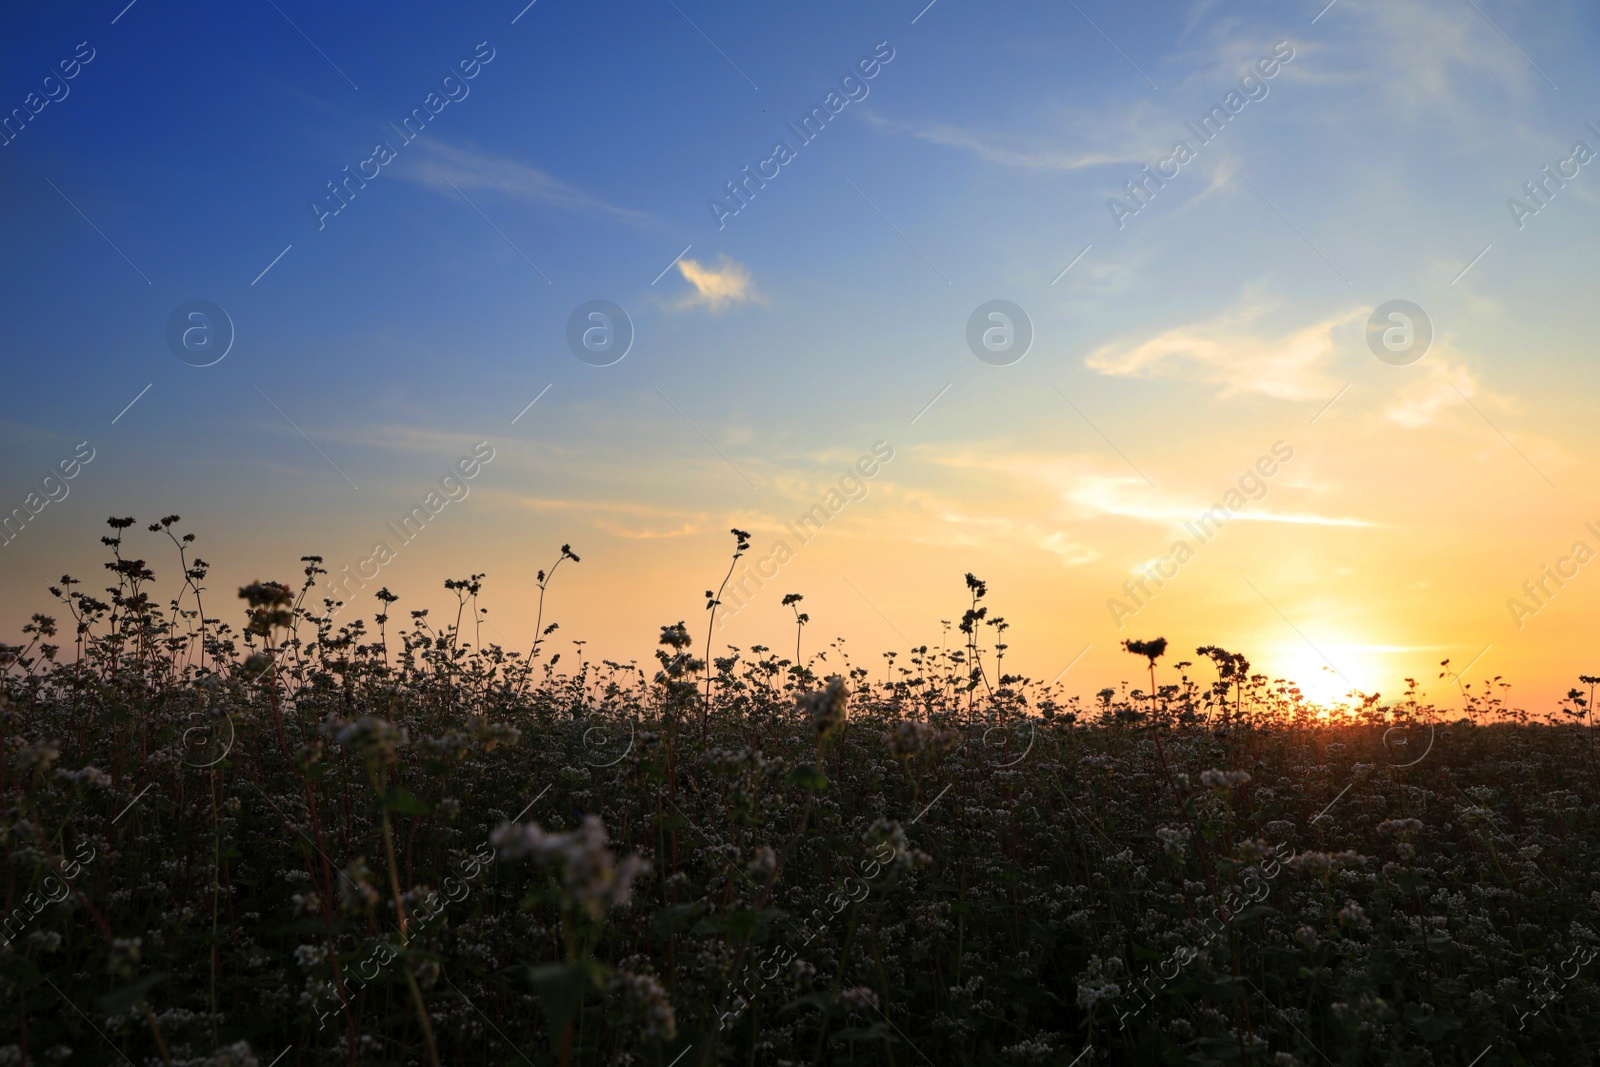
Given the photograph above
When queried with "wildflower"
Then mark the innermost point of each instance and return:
(1152, 650)
(826, 706)
(589, 875)
(1224, 779)
(1095, 985)
(269, 606)
(676, 636)
(762, 864)
(356, 891)
(1173, 840)
(1352, 916)
(909, 739)
(124, 958)
(1253, 851)
(92, 775)
(1034, 1049)
(309, 956)
(859, 996)
(238, 1054)
(1311, 862)
(644, 994)
(888, 833)
(379, 740)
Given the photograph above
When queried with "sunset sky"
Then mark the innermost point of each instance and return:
(1174, 347)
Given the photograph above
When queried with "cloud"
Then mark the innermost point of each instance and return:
(1441, 386)
(1423, 402)
(1138, 129)
(438, 166)
(1131, 498)
(1073, 496)
(1234, 353)
(986, 148)
(1467, 61)
(717, 288)
(637, 522)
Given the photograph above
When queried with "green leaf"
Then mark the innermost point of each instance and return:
(17, 969)
(119, 1002)
(399, 800)
(807, 777)
(875, 1032)
(742, 923)
(559, 987)
(670, 918)
(1433, 1027)
(1254, 911)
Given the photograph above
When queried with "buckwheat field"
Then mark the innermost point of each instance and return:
(239, 832)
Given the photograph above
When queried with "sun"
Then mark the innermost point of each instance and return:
(1328, 673)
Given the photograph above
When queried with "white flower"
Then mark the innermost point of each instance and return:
(859, 996)
(589, 874)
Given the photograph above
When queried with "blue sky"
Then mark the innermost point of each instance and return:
(828, 312)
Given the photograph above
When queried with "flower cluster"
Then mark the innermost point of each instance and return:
(590, 877)
(909, 739)
(825, 707)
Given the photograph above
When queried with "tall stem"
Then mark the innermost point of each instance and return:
(706, 712)
(400, 918)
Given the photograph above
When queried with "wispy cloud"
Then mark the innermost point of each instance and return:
(1132, 498)
(1237, 354)
(991, 149)
(1439, 389)
(717, 288)
(620, 518)
(437, 165)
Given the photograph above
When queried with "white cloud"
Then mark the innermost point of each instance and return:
(1037, 156)
(717, 287)
(1234, 353)
(437, 166)
(1132, 498)
(1422, 403)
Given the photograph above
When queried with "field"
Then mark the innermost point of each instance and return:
(294, 841)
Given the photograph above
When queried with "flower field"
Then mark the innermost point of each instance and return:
(284, 840)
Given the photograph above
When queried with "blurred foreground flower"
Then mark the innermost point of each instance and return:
(826, 706)
(590, 876)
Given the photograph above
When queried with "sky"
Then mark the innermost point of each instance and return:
(282, 268)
